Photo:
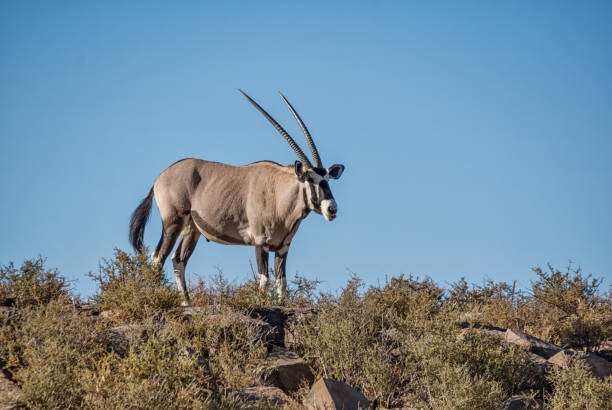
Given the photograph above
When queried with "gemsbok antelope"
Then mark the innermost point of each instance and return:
(260, 204)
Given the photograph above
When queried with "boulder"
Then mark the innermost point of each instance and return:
(520, 403)
(540, 363)
(599, 366)
(605, 350)
(328, 394)
(281, 320)
(286, 370)
(266, 393)
(9, 393)
(535, 345)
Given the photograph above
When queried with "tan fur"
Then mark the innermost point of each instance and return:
(259, 204)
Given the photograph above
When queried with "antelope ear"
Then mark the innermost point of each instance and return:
(299, 171)
(335, 171)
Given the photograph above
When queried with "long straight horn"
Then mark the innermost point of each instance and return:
(311, 144)
(282, 131)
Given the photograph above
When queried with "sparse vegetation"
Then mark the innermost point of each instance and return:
(576, 388)
(31, 284)
(408, 342)
(134, 288)
(565, 308)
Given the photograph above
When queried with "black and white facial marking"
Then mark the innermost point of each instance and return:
(318, 193)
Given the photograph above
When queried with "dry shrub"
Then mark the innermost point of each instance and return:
(220, 295)
(398, 345)
(158, 372)
(562, 307)
(62, 359)
(134, 288)
(576, 315)
(236, 350)
(493, 303)
(54, 347)
(485, 357)
(454, 387)
(576, 388)
(31, 284)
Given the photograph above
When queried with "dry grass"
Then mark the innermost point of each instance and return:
(397, 343)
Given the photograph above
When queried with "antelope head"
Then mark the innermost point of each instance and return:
(315, 179)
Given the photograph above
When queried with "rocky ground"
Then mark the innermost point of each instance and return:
(284, 372)
(405, 344)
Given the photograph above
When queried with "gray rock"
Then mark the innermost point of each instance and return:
(535, 345)
(281, 319)
(540, 363)
(328, 394)
(605, 350)
(599, 366)
(520, 403)
(286, 370)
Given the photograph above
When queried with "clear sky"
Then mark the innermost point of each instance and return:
(477, 136)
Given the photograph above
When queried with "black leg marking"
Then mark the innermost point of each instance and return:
(182, 254)
(280, 262)
(262, 256)
(170, 233)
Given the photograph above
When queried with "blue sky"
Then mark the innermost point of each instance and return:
(477, 136)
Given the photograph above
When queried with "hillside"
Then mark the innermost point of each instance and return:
(405, 344)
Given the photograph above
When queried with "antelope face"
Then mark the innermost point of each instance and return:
(315, 178)
(318, 193)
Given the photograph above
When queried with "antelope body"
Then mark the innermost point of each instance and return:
(260, 204)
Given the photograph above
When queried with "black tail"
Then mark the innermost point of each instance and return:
(139, 220)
